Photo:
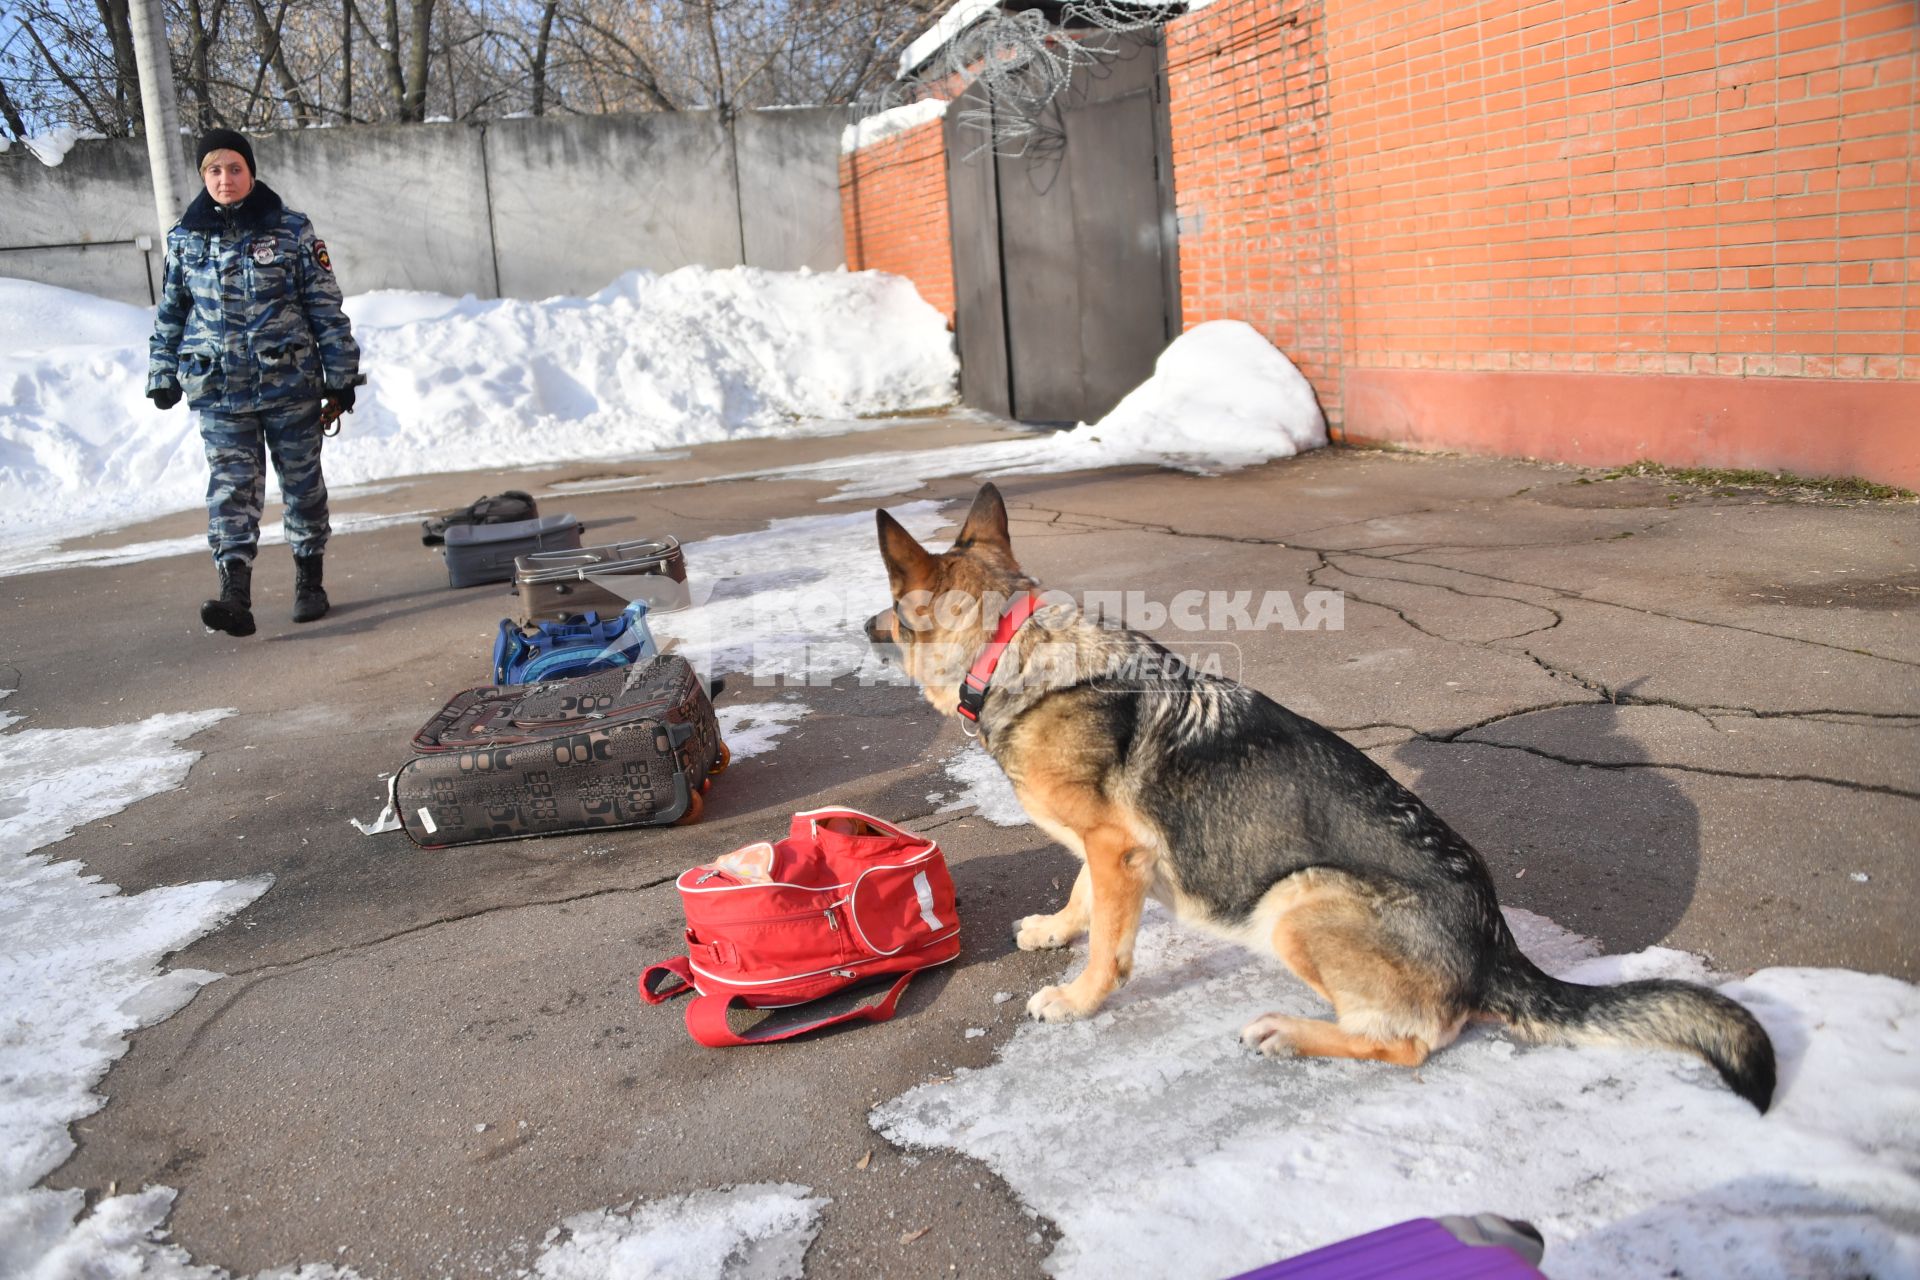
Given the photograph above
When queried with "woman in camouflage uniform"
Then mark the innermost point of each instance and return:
(251, 332)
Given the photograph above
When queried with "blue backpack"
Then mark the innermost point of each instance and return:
(580, 645)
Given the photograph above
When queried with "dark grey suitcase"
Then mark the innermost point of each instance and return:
(633, 746)
(481, 553)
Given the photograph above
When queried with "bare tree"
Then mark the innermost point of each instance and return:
(11, 113)
(265, 64)
(542, 49)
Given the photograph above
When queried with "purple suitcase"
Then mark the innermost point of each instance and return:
(1483, 1247)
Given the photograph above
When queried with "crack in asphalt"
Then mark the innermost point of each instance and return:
(1825, 715)
(1659, 613)
(1449, 736)
(1327, 565)
(1330, 563)
(1404, 557)
(1056, 514)
(1875, 788)
(259, 975)
(279, 967)
(1375, 724)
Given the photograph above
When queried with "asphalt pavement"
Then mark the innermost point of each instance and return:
(1663, 713)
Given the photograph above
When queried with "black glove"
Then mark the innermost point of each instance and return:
(337, 399)
(164, 397)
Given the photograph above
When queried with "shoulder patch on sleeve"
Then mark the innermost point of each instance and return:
(320, 254)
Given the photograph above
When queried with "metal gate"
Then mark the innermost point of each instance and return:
(1065, 272)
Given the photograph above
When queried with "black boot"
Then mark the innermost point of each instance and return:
(233, 611)
(309, 597)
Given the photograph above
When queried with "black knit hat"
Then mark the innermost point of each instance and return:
(224, 140)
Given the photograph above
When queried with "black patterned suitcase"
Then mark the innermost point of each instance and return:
(632, 746)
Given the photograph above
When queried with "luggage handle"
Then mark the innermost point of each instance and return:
(661, 982)
(707, 1014)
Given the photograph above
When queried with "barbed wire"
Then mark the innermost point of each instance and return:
(1022, 63)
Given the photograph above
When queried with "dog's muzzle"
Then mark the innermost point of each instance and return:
(881, 634)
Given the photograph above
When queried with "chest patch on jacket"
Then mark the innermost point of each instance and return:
(263, 253)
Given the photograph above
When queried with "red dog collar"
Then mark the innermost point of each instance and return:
(973, 690)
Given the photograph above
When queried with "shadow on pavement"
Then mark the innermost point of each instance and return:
(1613, 851)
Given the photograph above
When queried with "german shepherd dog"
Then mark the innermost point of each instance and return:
(1255, 824)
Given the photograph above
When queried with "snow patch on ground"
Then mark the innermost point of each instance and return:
(81, 967)
(1160, 1146)
(983, 787)
(55, 780)
(31, 557)
(752, 730)
(758, 1231)
(651, 362)
(786, 605)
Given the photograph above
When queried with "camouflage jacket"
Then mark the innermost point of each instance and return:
(249, 314)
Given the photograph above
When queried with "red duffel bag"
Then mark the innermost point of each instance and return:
(843, 898)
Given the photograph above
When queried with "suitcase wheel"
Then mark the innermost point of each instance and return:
(694, 805)
(725, 759)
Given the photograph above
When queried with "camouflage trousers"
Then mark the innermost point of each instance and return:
(238, 445)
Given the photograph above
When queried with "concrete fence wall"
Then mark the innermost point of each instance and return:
(516, 208)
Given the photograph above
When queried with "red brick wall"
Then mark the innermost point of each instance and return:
(1656, 188)
(1253, 179)
(893, 206)
(1644, 186)
(1679, 229)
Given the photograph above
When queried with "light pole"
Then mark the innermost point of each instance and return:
(160, 110)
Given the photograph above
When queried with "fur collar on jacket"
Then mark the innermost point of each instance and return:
(260, 209)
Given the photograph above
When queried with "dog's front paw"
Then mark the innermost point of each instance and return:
(1042, 933)
(1058, 1004)
(1270, 1035)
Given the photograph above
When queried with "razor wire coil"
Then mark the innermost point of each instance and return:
(1023, 63)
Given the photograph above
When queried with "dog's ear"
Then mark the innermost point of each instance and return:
(986, 524)
(909, 567)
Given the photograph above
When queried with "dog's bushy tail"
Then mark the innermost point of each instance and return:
(1654, 1011)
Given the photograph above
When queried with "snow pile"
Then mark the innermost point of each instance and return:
(754, 1232)
(650, 362)
(1219, 392)
(1221, 396)
(884, 124)
(81, 968)
(1161, 1147)
(40, 317)
(391, 308)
